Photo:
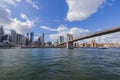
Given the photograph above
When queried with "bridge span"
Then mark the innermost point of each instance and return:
(69, 44)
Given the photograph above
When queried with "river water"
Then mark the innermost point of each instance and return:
(60, 64)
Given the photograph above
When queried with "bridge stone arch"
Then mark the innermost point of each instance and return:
(69, 43)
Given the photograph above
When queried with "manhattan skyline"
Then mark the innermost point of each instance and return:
(56, 18)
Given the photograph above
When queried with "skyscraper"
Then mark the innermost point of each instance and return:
(1, 32)
(43, 40)
(27, 39)
(39, 41)
(18, 38)
(61, 39)
(31, 37)
(13, 36)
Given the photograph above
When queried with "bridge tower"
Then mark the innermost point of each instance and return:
(69, 43)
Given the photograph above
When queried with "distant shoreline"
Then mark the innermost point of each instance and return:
(50, 47)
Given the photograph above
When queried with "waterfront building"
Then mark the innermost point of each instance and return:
(1, 32)
(23, 38)
(27, 34)
(76, 45)
(27, 39)
(93, 43)
(31, 37)
(49, 43)
(43, 40)
(18, 38)
(61, 39)
(6, 41)
(13, 36)
(39, 41)
(6, 38)
(84, 45)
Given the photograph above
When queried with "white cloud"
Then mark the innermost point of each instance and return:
(10, 2)
(77, 32)
(47, 28)
(82, 9)
(19, 26)
(34, 5)
(22, 15)
(14, 3)
(9, 23)
(63, 30)
(4, 16)
(36, 38)
(18, 0)
(113, 37)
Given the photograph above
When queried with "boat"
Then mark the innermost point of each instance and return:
(102, 47)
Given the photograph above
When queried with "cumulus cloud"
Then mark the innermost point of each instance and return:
(9, 23)
(19, 26)
(82, 9)
(34, 5)
(4, 16)
(47, 28)
(63, 30)
(14, 3)
(113, 37)
(10, 2)
(77, 32)
(22, 15)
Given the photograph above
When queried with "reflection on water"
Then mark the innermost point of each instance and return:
(59, 64)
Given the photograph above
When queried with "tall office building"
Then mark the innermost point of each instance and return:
(43, 39)
(61, 39)
(6, 38)
(31, 37)
(1, 32)
(39, 41)
(13, 36)
(27, 39)
(27, 34)
(18, 38)
(23, 40)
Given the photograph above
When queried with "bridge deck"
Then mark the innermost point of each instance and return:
(113, 30)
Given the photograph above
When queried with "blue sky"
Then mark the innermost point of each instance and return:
(58, 17)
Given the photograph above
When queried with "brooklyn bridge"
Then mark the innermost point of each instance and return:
(69, 43)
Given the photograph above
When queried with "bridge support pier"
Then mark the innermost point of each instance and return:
(69, 45)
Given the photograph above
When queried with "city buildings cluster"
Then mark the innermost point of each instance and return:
(94, 44)
(15, 39)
